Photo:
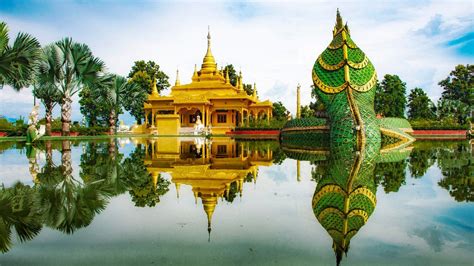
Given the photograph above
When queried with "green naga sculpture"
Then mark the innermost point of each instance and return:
(345, 81)
(348, 144)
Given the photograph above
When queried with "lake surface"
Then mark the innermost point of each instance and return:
(192, 201)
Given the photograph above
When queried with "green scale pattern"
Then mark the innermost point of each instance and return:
(342, 119)
(342, 172)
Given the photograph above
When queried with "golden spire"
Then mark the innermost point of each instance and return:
(254, 91)
(154, 177)
(339, 24)
(154, 89)
(177, 83)
(177, 189)
(298, 102)
(227, 79)
(208, 63)
(195, 74)
(241, 85)
(209, 203)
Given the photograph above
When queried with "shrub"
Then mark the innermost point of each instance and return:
(446, 124)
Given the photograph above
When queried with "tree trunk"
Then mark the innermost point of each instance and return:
(48, 118)
(112, 122)
(112, 148)
(66, 115)
(49, 152)
(66, 161)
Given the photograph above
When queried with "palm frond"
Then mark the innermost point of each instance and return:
(3, 37)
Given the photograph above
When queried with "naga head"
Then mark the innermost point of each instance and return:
(342, 66)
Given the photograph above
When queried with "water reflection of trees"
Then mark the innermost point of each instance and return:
(454, 159)
(63, 202)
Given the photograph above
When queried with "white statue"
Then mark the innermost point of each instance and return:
(32, 133)
(198, 127)
(123, 127)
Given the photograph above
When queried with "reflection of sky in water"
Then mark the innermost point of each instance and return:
(272, 223)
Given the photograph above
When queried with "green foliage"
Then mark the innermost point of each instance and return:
(18, 63)
(141, 187)
(420, 106)
(17, 211)
(143, 75)
(94, 113)
(457, 100)
(263, 124)
(421, 158)
(68, 66)
(459, 85)
(5, 125)
(458, 171)
(390, 99)
(453, 110)
(391, 175)
(89, 131)
(306, 111)
(279, 111)
(18, 128)
(445, 124)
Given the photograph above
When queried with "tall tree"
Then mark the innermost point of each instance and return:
(94, 113)
(18, 63)
(453, 110)
(279, 111)
(390, 97)
(112, 91)
(143, 74)
(69, 66)
(49, 96)
(459, 86)
(420, 106)
(306, 111)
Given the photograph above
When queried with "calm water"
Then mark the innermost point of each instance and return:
(230, 202)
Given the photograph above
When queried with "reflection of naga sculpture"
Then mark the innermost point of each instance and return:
(345, 197)
(198, 127)
(32, 133)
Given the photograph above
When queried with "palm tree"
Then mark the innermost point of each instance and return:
(18, 63)
(49, 96)
(112, 89)
(18, 211)
(66, 203)
(68, 66)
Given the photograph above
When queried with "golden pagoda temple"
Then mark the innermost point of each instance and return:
(210, 98)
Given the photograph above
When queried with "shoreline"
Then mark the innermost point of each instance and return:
(253, 134)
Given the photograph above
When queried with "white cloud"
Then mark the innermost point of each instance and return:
(275, 44)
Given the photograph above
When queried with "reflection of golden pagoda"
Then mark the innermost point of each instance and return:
(211, 96)
(211, 168)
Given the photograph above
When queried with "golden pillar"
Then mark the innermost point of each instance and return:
(298, 171)
(298, 103)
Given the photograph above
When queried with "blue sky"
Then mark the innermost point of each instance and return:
(275, 44)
